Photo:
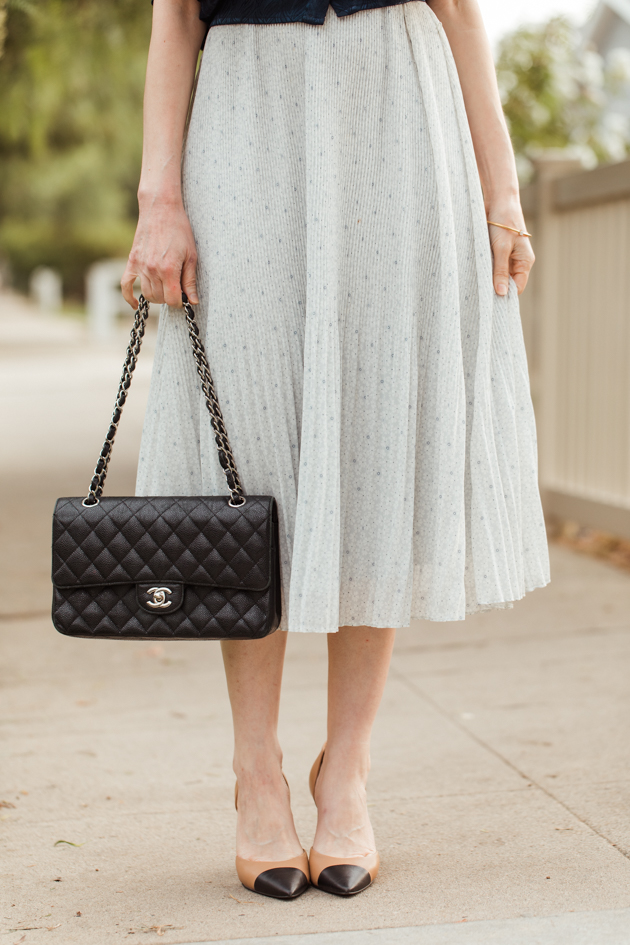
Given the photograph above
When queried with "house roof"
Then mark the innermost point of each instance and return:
(602, 19)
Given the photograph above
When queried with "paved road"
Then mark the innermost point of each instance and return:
(500, 781)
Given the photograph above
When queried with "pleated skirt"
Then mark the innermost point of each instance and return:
(369, 377)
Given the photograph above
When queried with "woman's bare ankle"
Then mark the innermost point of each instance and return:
(258, 765)
(345, 765)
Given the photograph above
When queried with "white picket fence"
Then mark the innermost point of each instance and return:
(576, 318)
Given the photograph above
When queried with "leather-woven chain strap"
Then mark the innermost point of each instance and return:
(226, 457)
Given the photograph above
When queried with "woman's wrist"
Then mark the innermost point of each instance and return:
(499, 181)
(166, 194)
(506, 210)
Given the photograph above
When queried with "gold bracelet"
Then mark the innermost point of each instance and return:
(512, 228)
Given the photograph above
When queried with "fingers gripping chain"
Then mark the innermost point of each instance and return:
(226, 457)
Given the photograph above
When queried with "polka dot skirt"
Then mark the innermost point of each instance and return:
(369, 377)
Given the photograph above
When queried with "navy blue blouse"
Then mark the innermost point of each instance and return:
(218, 12)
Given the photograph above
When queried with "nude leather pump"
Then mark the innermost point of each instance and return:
(281, 879)
(345, 876)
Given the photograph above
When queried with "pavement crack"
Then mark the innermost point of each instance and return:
(413, 687)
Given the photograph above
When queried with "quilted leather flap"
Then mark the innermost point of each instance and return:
(190, 540)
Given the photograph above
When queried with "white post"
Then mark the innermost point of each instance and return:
(104, 297)
(46, 288)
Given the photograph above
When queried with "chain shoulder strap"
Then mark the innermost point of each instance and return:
(226, 456)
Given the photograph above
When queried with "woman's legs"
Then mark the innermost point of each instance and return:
(265, 829)
(358, 663)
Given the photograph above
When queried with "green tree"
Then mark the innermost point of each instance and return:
(557, 94)
(71, 86)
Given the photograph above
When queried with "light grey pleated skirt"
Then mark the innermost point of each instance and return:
(369, 377)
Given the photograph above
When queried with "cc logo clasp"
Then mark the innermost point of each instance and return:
(159, 597)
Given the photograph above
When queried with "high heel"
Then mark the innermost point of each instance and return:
(281, 879)
(342, 876)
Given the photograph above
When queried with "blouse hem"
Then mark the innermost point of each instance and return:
(287, 18)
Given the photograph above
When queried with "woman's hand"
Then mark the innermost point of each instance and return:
(163, 256)
(512, 254)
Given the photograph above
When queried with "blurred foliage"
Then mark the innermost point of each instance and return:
(557, 94)
(71, 86)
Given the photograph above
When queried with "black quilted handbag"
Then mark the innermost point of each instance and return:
(174, 567)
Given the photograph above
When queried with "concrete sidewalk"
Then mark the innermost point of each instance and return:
(500, 781)
(583, 928)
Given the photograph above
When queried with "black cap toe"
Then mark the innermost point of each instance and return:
(344, 880)
(285, 882)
